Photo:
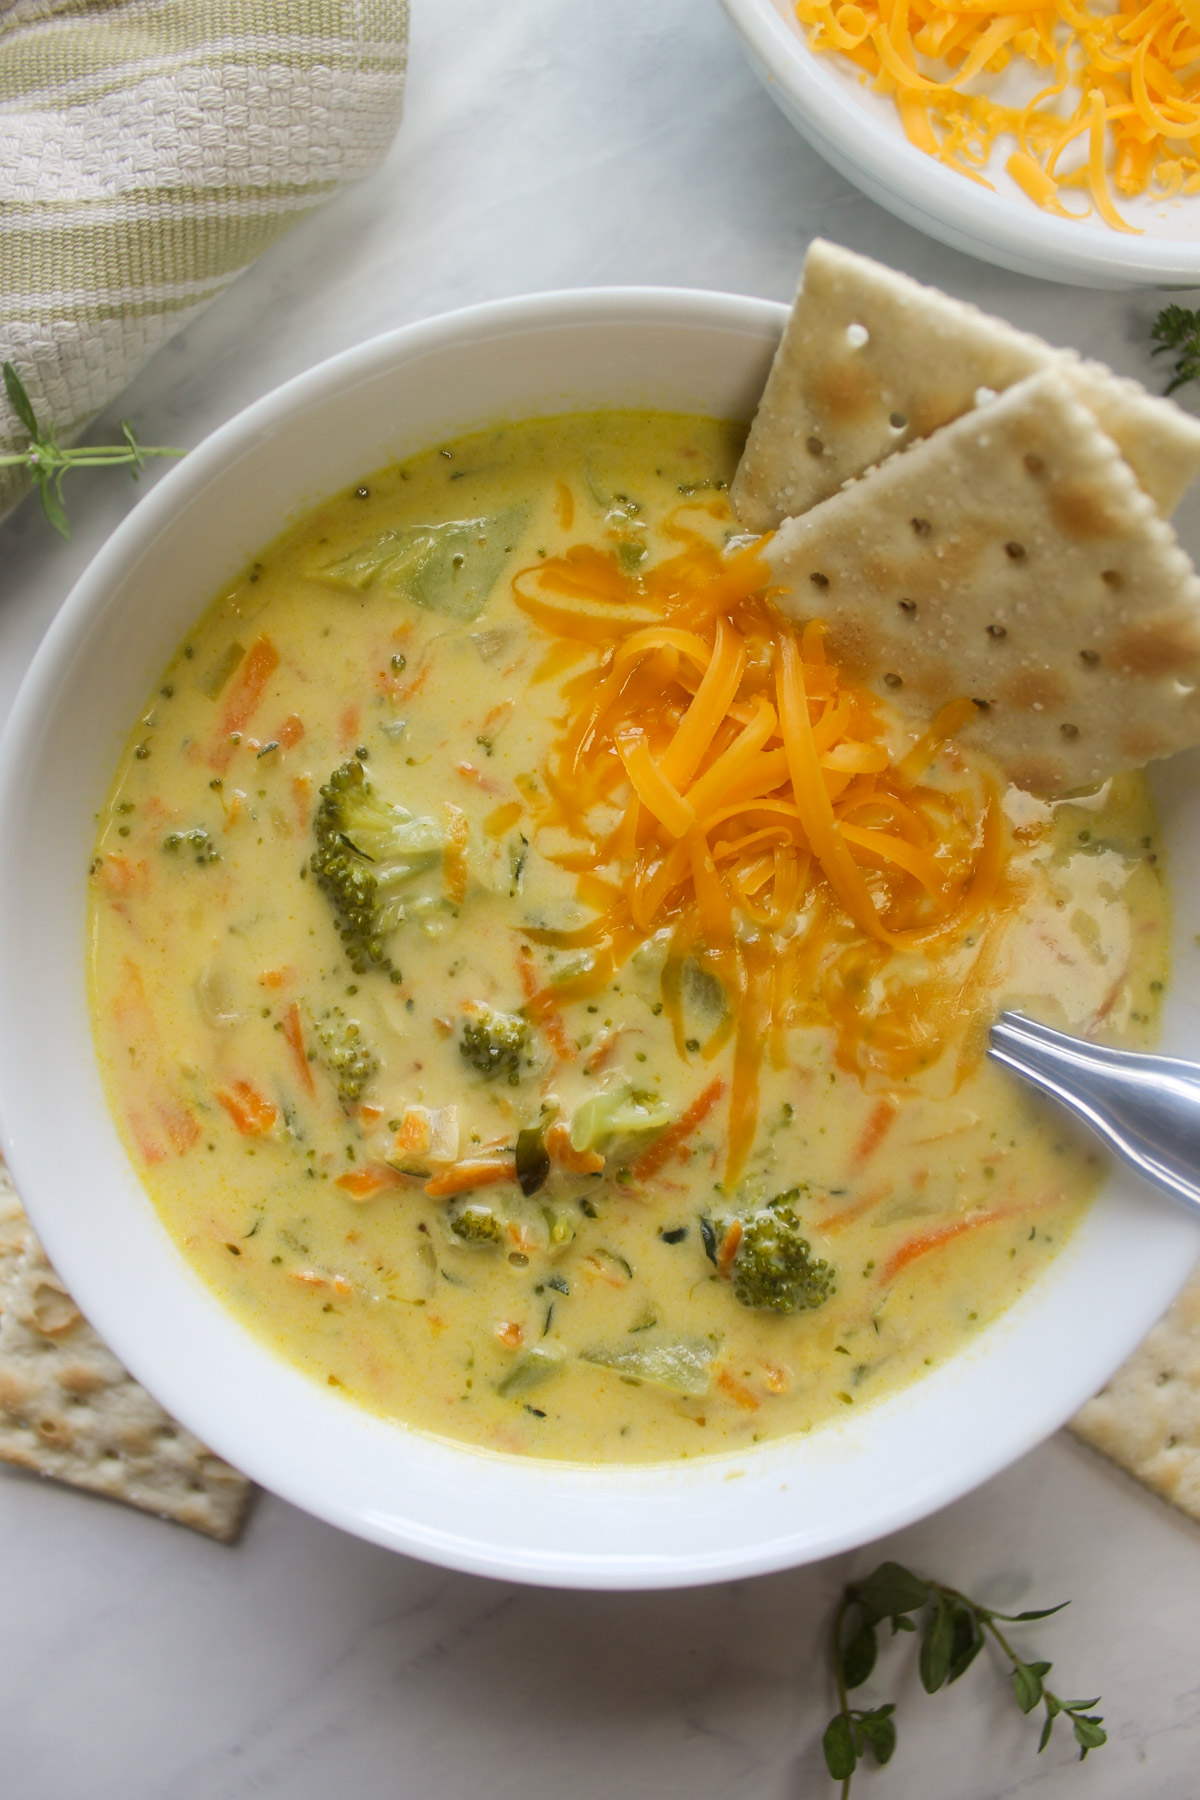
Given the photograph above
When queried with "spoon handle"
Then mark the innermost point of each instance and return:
(1147, 1108)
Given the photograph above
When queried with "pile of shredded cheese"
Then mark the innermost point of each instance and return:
(716, 778)
(1135, 70)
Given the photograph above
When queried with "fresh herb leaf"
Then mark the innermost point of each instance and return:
(1027, 1686)
(858, 1658)
(47, 462)
(1089, 1734)
(841, 1758)
(968, 1640)
(19, 400)
(937, 1647)
(1177, 328)
(952, 1630)
(890, 1590)
(879, 1729)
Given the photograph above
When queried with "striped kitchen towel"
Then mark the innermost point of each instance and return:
(149, 150)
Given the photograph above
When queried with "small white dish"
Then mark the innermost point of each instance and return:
(557, 1524)
(860, 133)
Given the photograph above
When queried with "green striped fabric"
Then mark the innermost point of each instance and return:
(149, 150)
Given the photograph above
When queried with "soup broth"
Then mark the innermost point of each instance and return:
(477, 1156)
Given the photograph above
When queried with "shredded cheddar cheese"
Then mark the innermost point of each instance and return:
(717, 780)
(1122, 84)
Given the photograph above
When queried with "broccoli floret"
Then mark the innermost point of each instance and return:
(775, 1269)
(369, 853)
(477, 1225)
(494, 1043)
(348, 1058)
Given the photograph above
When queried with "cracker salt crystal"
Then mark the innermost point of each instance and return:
(70, 1411)
(1013, 558)
(871, 360)
(1148, 1417)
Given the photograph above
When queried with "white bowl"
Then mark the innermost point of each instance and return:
(552, 1523)
(860, 133)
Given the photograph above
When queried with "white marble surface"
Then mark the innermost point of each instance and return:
(550, 144)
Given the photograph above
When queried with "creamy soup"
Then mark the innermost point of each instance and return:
(548, 1005)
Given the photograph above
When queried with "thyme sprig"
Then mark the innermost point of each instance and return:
(1177, 328)
(47, 461)
(952, 1631)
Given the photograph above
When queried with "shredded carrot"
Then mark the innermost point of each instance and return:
(879, 1123)
(478, 1171)
(178, 1123)
(540, 1004)
(123, 878)
(925, 1241)
(365, 1183)
(1129, 70)
(854, 1209)
(673, 1139)
(302, 796)
(150, 1145)
(511, 1333)
(576, 1162)
(349, 725)
(731, 1243)
(251, 1112)
(258, 665)
(290, 732)
(737, 1391)
(293, 1032)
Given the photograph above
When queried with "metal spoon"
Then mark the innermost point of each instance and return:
(1147, 1108)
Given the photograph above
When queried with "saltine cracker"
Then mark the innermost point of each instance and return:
(70, 1411)
(871, 361)
(1011, 558)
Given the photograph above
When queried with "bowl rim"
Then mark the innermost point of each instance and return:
(994, 223)
(1025, 1337)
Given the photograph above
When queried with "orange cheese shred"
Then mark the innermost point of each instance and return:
(720, 781)
(1122, 78)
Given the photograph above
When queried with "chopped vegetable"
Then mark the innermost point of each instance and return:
(532, 1159)
(449, 568)
(346, 1055)
(252, 1113)
(427, 1137)
(623, 1117)
(575, 1162)
(365, 1183)
(369, 859)
(682, 1364)
(258, 666)
(673, 1140)
(478, 1171)
(477, 1225)
(494, 1043)
(770, 1261)
(196, 842)
(292, 1027)
(530, 1370)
